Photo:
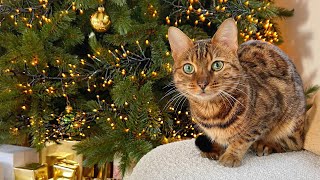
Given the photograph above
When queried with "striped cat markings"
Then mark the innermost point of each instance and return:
(241, 97)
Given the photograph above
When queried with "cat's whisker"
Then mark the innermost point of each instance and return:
(219, 94)
(171, 88)
(169, 92)
(171, 100)
(222, 95)
(233, 98)
(231, 84)
(228, 95)
(237, 89)
(169, 84)
(242, 91)
(178, 102)
(185, 99)
(182, 99)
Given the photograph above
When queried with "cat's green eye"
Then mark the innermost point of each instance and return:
(188, 68)
(217, 65)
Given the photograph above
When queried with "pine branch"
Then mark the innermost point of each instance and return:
(119, 2)
(311, 90)
(309, 93)
(122, 22)
(284, 13)
(12, 136)
(86, 4)
(120, 98)
(194, 32)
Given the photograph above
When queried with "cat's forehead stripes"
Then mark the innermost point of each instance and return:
(202, 52)
(201, 49)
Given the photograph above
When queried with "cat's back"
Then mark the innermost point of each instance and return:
(271, 74)
(265, 60)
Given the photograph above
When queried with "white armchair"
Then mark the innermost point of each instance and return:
(182, 161)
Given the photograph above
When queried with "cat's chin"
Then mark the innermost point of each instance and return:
(204, 96)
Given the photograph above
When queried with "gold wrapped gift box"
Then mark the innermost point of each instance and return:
(66, 170)
(54, 153)
(56, 157)
(61, 149)
(31, 172)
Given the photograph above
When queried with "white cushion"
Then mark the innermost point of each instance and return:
(182, 160)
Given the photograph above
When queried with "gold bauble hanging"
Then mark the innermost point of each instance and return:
(69, 109)
(100, 21)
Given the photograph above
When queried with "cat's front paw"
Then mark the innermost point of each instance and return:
(211, 155)
(229, 160)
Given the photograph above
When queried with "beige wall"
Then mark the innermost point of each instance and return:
(302, 43)
(302, 37)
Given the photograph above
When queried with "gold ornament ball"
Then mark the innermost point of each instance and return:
(69, 109)
(100, 21)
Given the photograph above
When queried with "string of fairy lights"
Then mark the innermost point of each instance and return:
(246, 13)
(124, 62)
(28, 12)
(31, 13)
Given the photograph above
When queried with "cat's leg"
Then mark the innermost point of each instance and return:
(235, 152)
(292, 141)
(208, 148)
(295, 141)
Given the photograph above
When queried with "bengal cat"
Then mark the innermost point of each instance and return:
(240, 97)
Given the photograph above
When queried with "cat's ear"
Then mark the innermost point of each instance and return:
(179, 42)
(227, 34)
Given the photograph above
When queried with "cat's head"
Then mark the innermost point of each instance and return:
(206, 68)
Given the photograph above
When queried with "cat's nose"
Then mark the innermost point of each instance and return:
(203, 84)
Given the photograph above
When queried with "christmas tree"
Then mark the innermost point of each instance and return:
(99, 71)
